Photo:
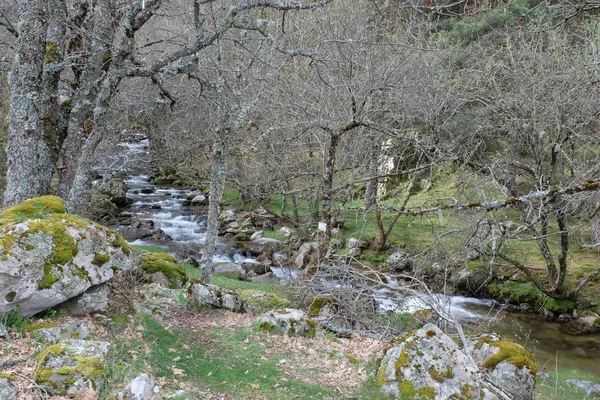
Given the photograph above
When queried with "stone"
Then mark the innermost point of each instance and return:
(230, 270)
(48, 256)
(142, 387)
(257, 235)
(260, 246)
(509, 366)
(591, 389)
(3, 330)
(115, 189)
(95, 299)
(162, 268)
(353, 243)
(589, 323)
(72, 365)
(75, 329)
(426, 363)
(205, 295)
(8, 388)
(288, 321)
(269, 277)
(286, 231)
(473, 280)
(254, 266)
(199, 200)
(399, 261)
(227, 216)
(303, 254)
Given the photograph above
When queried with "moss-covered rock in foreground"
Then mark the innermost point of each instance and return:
(72, 365)
(48, 256)
(288, 321)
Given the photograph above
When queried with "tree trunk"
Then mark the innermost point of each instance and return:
(327, 196)
(81, 123)
(371, 189)
(595, 225)
(27, 150)
(217, 183)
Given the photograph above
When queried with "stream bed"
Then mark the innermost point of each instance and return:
(158, 217)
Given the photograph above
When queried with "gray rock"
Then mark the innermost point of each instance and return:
(199, 200)
(115, 189)
(399, 260)
(286, 231)
(83, 254)
(95, 299)
(72, 365)
(428, 362)
(213, 296)
(8, 389)
(269, 277)
(3, 330)
(256, 267)
(227, 216)
(142, 387)
(257, 235)
(288, 321)
(76, 329)
(353, 243)
(473, 281)
(589, 323)
(303, 254)
(518, 380)
(230, 270)
(590, 388)
(263, 245)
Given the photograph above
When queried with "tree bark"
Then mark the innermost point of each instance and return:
(217, 184)
(27, 149)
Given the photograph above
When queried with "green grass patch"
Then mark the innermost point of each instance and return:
(556, 388)
(140, 249)
(516, 293)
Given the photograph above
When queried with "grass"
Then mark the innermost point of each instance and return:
(227, 362)
(556, 387)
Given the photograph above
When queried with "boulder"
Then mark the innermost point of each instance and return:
(399, 260)
(76, 329)
(199, 200)
(162, 268)
(264, 245)
(286, 231)
(303, 254)
(8, 387)
(426, 363)
(72, 365)
(142, 387)
(95, 299)
(257, 235)
(353, 243)
(205, 295)
(227, 216)
(269, 277)
(48, 256)
(589, 323)
(115, 189)
(509, 366)
(473, 279)
(288, 321)
(258, 268)
(3, 330)
(230, 270)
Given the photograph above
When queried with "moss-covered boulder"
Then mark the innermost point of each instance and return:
(48, 256)
(8, 387)
(72, 365)
(288, 321)
(427, 364)
(162, 268)
(55, 332)
(508, 366)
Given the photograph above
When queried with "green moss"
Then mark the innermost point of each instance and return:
(6, 376)
(560, 306)
(512, 353)
(48, 279)
(317, 305)
(100, 259)
(36, 208)
(408, 391)
(65, 247)
(259, 301)
(165, 263)
(517, 293)
(441, 376)
(351, 358)
(402, 360)
(267, 327)
(52, 54)
(475, 265)
(47, 325)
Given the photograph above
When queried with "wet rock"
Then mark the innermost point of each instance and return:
(76, 329)
(399, 261)
(72, 365)
(115, 189)
(142, 387)
(230, 270)
(199, 200)
(589, 323)
(50, 260)
(95, 299)
(8, 388)
(590, 388)
(288, 321)
(148, 190)
(227, 216)
(473, 280)
(258, 268)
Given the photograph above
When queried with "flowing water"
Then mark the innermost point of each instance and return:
(182, 231)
